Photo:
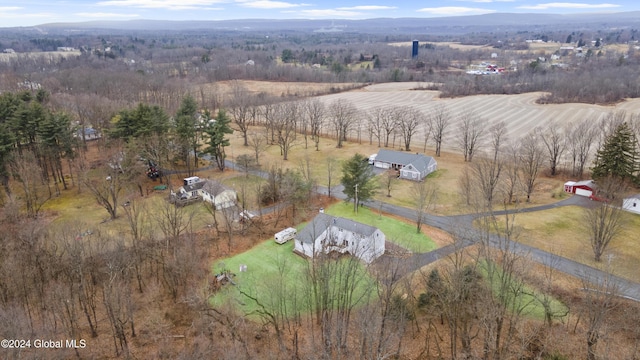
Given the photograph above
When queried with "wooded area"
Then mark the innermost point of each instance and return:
(164, 105)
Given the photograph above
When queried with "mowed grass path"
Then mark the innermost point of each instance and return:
(396, 231)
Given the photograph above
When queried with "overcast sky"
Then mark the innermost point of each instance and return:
(28, 12)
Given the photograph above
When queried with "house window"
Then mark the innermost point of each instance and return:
(414, 175)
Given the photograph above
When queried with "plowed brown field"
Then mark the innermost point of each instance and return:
(519, 112)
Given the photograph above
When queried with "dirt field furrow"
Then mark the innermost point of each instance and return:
(519, 112)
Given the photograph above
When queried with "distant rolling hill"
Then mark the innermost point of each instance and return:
(441, 25)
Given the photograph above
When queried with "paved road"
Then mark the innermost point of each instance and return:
(462, 225)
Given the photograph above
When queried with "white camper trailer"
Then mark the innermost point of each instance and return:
(285, 235)
(190, 180)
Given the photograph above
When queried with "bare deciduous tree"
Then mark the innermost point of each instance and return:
(173, 221)
(241, 109)
(498, 133)
(259, 143)
(554, 140)
(285, 124)
(388, 179)
(440, 119)
(107, 186)
(374, 124)
(531, 157)
(503, 309)
(332, 168)
(335, 289)
(604, 223)
(409, 121)
(137, 219)
(512, 184)
(425, 194)
(598, 304)
(315, 112)
(34, 189)
(389, 124)
(486, 176)
(427, 128)
(343, 116)
(470, 136)
(580, 140)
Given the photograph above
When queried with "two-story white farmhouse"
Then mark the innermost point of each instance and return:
(328, 233)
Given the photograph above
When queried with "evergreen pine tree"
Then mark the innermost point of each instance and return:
(217, 141)
(618, 156)
(358, 179)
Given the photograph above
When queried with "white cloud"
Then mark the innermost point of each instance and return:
(329, 13)
(455, 11)
(487, 1)
(9, 8)
(268, 4)
(162, 4)
(103, 15)
(567, 6)
(367, 7)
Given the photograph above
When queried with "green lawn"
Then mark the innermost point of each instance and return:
(529, 300)
(274, 270)
(278, 279)
(396, 231)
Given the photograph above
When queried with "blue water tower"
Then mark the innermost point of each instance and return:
(414, 49)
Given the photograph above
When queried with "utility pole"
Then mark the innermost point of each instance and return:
(356, 200)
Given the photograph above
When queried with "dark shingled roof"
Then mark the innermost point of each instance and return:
(420, 161)
(213, 187)
(322, 222)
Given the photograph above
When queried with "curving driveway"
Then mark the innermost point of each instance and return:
(462, 225)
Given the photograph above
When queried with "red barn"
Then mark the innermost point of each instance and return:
(582, 188)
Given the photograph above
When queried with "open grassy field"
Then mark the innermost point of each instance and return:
(224, 89)
(52, 56)
(83, 211)
(562, 231)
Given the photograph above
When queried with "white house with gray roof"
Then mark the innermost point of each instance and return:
(326, 233)
(208, 190)
(632, 203)
(411, 166)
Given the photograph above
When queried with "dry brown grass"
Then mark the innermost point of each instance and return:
(223, 89)
(561, 231)
(558, 231)
(450, 168)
